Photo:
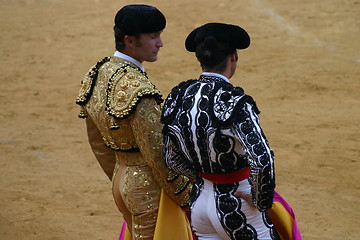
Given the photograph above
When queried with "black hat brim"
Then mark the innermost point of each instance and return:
(233, 35)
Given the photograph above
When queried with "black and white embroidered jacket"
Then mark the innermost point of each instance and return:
(212, 127)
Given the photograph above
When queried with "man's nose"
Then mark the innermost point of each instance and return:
(160, 43)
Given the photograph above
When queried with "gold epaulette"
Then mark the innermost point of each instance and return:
(126, 87)
(127, 84)
(87, 86)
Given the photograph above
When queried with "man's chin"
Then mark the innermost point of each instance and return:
(153, 59)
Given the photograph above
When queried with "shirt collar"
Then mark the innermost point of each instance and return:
(215, 75)
(130, 59)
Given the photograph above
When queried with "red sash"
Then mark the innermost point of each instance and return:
(228, 177)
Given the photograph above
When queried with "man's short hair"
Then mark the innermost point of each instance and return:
(119, 39)
(214, 55)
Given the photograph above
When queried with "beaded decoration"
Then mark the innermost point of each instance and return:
(126, 87)
(87, 86)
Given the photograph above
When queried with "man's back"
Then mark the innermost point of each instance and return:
(208, 143)
(112, 96)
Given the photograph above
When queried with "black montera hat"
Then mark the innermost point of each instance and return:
(139, 18)
(234, 35)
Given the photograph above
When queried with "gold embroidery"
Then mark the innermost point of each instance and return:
(147, 129)
(109, 92)
(126, 87)
(114, 124)
(141, 191)
(87, 84)
(82, 113)
(118, 88)
(135, 84)
(121, 96)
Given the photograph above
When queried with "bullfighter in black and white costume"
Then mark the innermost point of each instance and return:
(212, 134)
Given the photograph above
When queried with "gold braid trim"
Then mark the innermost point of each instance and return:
(88, 83)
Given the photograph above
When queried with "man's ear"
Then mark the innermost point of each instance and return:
(234, 57)
(129, 40)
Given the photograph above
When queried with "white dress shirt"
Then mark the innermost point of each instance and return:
(130, 59)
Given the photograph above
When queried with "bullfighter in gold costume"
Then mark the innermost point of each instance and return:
(122, 111)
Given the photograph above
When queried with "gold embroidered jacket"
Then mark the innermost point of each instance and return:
(123, 111)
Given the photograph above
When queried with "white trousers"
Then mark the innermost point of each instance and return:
(205, 221)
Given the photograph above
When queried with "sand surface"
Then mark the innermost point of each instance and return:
(303, 69)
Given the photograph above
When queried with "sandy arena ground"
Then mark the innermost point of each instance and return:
(303, 69)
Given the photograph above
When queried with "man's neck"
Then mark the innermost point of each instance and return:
(123, 55)
(228, 71)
